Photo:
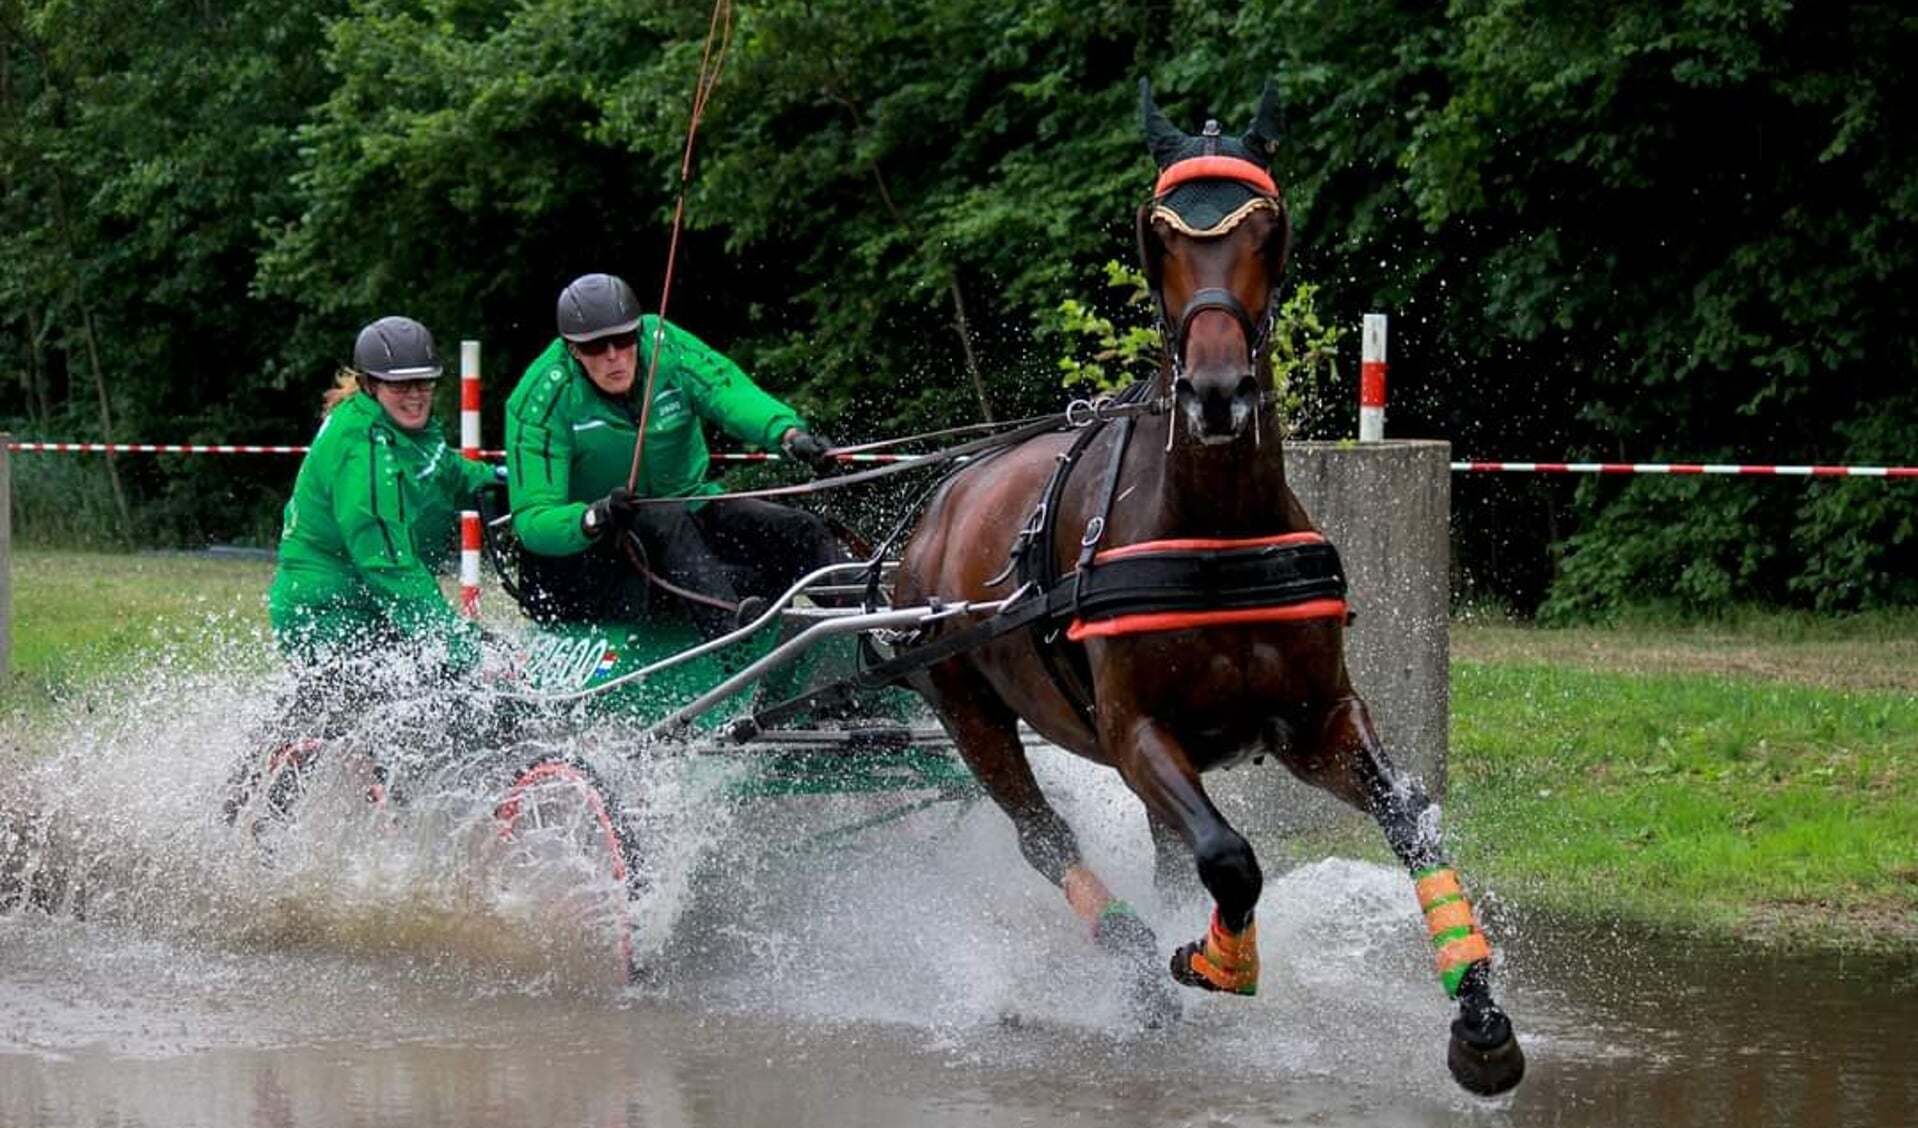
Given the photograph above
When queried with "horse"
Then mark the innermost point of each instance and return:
(1203, 622)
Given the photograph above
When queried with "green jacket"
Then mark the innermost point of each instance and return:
(568, 444)
(373, 514)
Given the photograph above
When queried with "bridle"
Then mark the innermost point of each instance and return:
(1176, 330)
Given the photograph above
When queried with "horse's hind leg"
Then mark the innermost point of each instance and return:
(987, 734)
(1349, 761)
(1171, 862)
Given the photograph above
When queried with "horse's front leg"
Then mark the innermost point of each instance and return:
(1158, 770)
(1348, 760)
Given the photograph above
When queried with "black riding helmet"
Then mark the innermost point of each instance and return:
(397, 348)
(597, 305)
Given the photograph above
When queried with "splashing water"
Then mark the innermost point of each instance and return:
(114, 813)
(747, 906)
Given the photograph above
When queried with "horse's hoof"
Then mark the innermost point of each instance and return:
(1151, 1003)
(1485, 1061)
(1122, 932)
(1188, 969)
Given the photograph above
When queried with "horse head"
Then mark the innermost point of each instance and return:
(1213, 241)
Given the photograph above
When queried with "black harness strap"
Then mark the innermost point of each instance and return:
(1172, 580)
(1208, 580)
(1037, 565)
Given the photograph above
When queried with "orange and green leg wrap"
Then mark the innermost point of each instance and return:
(1089, 897)
(1456, 940)
(1222, 961)
(1115, 926)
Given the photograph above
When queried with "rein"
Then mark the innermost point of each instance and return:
(1078, 415)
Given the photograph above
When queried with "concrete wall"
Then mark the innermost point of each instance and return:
(1387, 506)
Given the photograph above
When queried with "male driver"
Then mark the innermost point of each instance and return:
(571, 426)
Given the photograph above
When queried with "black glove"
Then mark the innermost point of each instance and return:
(617, 510)
(813, 450)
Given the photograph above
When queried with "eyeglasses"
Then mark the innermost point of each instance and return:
(404, 387)
(600, 346)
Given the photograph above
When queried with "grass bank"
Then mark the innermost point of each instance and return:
(1754, 777)
(81, 615)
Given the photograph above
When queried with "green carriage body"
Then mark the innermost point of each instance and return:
(605, 666)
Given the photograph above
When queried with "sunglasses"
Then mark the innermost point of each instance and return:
(600, 346)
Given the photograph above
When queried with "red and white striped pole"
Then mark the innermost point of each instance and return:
(470, 448)
(470, 398)
(1372, 380)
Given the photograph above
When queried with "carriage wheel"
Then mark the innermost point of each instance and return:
(557, 799)
(271, 785)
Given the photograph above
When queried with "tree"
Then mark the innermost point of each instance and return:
(144, 146)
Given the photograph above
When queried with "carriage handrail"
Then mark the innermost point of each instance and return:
(719, 642)
(858, 623)
(833, 621)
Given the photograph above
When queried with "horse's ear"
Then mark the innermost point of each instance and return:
(1268, 124)
(1151, 251)
(1279, 247)
(1162, 139)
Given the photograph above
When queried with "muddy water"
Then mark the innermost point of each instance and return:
(394, 970)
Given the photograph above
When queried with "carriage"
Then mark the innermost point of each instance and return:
(778, 700)
(1133, 582)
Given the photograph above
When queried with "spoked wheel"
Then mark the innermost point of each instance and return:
(267, 788)
(560, 822)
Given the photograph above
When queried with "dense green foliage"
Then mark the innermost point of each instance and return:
(1644, 231)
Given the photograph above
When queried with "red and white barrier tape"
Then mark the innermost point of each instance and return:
(153, 448)
(1689, 468)
(1679, 468)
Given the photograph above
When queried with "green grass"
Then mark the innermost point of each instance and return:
(1752, 777)
(1723, 803)
(78, 616)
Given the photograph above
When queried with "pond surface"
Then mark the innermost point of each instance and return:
(383, 970)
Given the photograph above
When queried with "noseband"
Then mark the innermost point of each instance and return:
(1257, 333)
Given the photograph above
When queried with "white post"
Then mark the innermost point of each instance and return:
(1372, 380)
(470, 447)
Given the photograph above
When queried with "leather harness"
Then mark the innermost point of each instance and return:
(1176, 584)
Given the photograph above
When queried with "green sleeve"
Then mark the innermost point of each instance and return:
(475, 475)
(539, 460)
(723, 394)
(370, 511)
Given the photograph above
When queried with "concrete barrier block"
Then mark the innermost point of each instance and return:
(1387, 507)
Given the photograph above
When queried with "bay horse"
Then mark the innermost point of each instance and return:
(1203, 622)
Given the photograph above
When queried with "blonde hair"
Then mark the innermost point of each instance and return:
(346, 385)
